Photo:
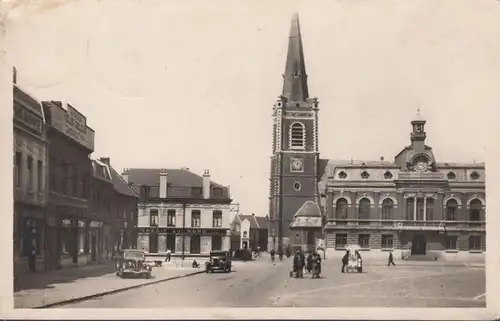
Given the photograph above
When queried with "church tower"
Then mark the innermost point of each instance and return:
(295, 154)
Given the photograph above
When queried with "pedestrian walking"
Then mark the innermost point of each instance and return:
(345, 261)
(391, 260)
(32, 260)
(169, 255)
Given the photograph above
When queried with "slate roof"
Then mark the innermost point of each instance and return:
(309, 208)
(256, 222)
(103, 170)
(308, 215)
(299, 222)
(120, 185)
(180, 181)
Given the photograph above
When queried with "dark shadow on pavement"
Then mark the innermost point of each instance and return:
(46, 280)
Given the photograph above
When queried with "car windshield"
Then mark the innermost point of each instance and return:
(133, 255)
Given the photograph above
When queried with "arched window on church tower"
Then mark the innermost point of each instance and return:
(297, 135)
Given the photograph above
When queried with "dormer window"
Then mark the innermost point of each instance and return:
(452, 176)
(388, 175)
(365, 175)
(217, 192)
(474, 175)
(342, 175)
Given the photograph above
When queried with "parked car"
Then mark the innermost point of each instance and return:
(133, 263)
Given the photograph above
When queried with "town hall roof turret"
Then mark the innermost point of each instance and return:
(295, 77)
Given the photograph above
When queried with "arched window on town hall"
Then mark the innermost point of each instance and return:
(451, 210)
(297, 135)
(341, 209)
(387, 208)
(364, 209)
(475, 210)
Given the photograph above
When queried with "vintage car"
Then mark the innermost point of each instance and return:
(133, 263)
(218, 261)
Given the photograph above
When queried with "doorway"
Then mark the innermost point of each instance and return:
(171, 242)
(93, 244)
(216, 243)
(153, 243)
(195, 244)
(419, 245)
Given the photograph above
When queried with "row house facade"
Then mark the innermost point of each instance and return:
(112, 209)
(30, 189)
(180, 211)
(71, 142)
(414, 204)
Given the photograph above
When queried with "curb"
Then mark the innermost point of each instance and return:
(100, 294)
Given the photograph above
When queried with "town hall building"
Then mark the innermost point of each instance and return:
(414, 204)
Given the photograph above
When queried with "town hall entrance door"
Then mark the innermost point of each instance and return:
(419, 244)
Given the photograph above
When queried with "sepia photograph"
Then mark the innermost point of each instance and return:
(236, 154)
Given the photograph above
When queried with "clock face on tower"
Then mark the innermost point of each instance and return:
(297, 164)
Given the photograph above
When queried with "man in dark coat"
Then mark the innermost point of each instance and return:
(345, 261)
(391, 260)
(298, 263)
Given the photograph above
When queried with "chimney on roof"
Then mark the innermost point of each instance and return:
(105, 160)
(125, 175)
(163, 183)
(381, 158)
(206, 184)
(14, 75)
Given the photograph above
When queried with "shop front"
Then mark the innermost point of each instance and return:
(29, 234)
(94, 242)
(177, 240)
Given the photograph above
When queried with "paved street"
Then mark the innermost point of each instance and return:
(36, 290)
(262, 284)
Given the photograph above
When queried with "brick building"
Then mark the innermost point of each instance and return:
(112, 212)
(71, 142)
(413, 204)
(181, 211)
(30, 192)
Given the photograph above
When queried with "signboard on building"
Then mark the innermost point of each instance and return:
(28, 118)
(73, 124)
(186, 231)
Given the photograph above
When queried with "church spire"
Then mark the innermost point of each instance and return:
(295, 77)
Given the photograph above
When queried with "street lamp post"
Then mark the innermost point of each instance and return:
(183, 232)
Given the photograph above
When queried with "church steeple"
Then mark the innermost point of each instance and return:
(295, 77)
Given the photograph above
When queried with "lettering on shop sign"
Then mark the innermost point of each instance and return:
(28, 118)
(74, 125)
(180, 230)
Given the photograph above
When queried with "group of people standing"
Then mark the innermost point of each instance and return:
(312, 264)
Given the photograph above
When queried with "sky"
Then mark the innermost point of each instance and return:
(167, 84)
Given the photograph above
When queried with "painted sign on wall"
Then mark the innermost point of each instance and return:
(73, 124)
(28, 118)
